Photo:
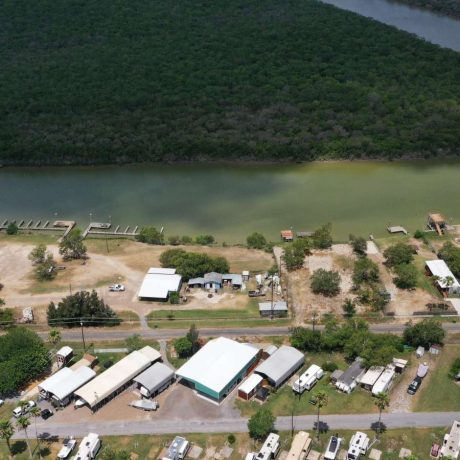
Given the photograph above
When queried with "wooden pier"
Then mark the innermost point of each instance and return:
(94, 228)
(59, 225)
(103, 228)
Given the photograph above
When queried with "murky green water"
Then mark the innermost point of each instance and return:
(232, 201)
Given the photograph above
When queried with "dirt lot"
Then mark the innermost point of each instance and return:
(126, 262)
(340, 259)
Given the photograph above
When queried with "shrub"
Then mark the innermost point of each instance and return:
(256, 241)
(359, 244)
(329, 366)
(108, 363)
(419, 235)
(150, 235)
(231, 438)
(406, 276)
(322, 238)
(399, 253)
(425, 333)
(12, 229)
(454, 369)
(204, 240)
(174, 240)
(365, 271)
(261, 424)
(186, 239)
(325, 282)
(174, 298)
(183, 347)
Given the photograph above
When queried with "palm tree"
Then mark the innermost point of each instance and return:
(22, 423)
(54, 336)
(382, 401)
(6, 433)
(35, 412)
(321, 401)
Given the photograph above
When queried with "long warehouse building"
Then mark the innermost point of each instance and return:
(218, 367)
(115, 379)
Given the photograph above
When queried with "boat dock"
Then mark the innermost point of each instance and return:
(59, 225)
(94, 228)
(103, 228)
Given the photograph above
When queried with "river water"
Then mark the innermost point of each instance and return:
(233, 201)
(437, 29)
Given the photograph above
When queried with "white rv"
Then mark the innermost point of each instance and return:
(385, 381)
(270, 448)
(359, 443)
(333, 448)
(308, 379)
(178, 449)
(89, 447)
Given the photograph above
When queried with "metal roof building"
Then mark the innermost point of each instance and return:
(67, 387)
(348, 381)
(249, 387)
(281, 365)
(115, 378)
(445, 278)
(279, 308)
(217, 367)
(52, 382)
(158, 283)
(371, 376)
(155, 379)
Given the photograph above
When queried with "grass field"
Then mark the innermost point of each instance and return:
(284, 402)
(144, 447)
(438, 391)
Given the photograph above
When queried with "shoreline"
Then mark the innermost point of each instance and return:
(241, 162)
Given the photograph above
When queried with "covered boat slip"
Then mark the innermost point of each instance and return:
(118, 377)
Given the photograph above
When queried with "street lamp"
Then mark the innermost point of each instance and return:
(83, 336)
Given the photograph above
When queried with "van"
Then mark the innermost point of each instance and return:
(19, 411)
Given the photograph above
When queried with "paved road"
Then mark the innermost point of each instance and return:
(238, 424)
(164, 334)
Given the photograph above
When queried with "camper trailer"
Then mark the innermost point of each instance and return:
(308, 379)
(384, 382)
(89, 447)
(359, 443)
(333, 448)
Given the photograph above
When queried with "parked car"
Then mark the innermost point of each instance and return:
(116, 288)
(23, 410)
(256, 294)
(414, 386)
(46, 414)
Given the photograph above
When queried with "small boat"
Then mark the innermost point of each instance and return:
(67, 448)
(144, 404)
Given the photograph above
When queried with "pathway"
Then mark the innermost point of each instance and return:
(239, 424)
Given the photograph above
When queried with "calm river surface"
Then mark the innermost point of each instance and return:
(441, 30)
(232, 201)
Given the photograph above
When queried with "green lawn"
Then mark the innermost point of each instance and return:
(438, 392)
(284, 402)
(176, 319)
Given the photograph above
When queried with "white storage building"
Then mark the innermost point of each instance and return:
(281, 365)
(116, 378)
(220, 365)
(155, 379)
(249, 387)
(445, 279)
(158, 283)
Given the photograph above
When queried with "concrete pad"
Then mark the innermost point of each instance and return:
(313, 455)
(283, 455)
(226, 452)
(342, 455)
(375, 454)
(195, 452)
(372, 248)
(456, 304)
(404, 453)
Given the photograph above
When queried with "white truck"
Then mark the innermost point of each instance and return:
(308, 379)
(359, 443)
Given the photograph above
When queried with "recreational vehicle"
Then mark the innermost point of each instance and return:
(333, 448)
(359, 443)
(89, 447)
(308, 379)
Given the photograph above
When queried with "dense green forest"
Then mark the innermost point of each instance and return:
(448, 7)
(86, 81)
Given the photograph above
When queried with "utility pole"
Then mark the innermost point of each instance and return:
(273, 305)
(82, 335)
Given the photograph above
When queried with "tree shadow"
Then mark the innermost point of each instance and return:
(18, 447)
(323, 427)
(379, 428)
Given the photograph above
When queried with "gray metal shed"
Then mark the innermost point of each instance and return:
(155, 379)
(281, 365)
